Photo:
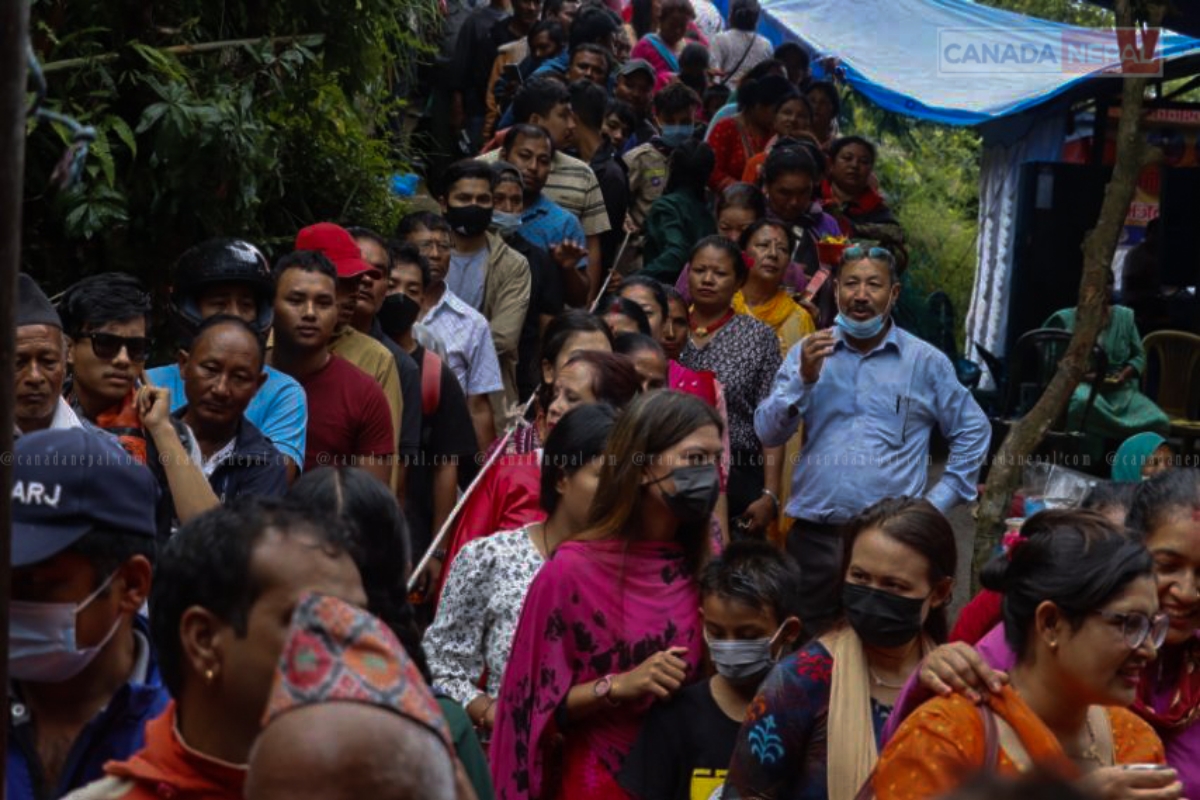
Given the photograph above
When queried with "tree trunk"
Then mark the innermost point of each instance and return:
(14, 30)
(1099, 247)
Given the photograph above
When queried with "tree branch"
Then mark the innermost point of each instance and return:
(1099, 246)
(308, 39)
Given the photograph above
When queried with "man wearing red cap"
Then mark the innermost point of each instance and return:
(335, 243)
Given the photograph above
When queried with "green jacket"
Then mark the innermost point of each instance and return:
(675, 223)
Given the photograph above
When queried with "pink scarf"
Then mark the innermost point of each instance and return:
(596, 608)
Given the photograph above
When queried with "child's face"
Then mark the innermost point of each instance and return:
(728, 620)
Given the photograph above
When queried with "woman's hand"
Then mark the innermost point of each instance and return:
(757, 517)
(660, 675)
(482, 712)
(1120, 783)
(958, 667)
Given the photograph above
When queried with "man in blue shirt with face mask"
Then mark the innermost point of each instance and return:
(83, 677)
(869, 395)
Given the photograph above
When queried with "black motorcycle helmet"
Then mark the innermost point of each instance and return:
(220, 261)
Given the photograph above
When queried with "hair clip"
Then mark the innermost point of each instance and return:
(1011, 541)
(748, 260)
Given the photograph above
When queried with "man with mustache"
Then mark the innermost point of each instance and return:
(41, 363)
(869, 395)
(106, 318)
(222, 369)
(372, 289)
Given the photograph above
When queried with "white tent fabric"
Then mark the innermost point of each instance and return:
(901, 53)
(999, 174)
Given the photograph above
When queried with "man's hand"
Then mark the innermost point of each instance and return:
(816, 348)
(153, 405)
(567, 254)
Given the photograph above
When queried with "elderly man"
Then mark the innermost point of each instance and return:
(869, 395)
(369, 728)
(41, 363)
(83, 677)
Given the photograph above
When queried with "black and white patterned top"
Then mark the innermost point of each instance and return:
(478, 613)
(745, 355)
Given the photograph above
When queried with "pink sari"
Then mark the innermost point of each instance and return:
(596, 608)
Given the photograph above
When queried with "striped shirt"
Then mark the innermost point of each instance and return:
(573, 185)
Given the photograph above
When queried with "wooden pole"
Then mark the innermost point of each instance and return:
(14, 32)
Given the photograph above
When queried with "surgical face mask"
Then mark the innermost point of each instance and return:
(865, 329)
(505, 223)
(468, 220)
(742, 661)
(41, 639)
(696, 491)
(882, 619)
(675, 135)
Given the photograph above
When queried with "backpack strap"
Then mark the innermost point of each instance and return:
(991, 738)
(431, 383)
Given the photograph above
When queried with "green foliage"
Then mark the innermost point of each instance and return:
(291, 121)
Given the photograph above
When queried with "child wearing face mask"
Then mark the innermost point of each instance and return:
(748, 604)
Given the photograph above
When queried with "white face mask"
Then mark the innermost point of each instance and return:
(41, 639)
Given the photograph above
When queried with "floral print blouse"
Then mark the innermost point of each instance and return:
(478, 613)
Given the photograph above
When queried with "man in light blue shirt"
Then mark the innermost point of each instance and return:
(229, 276)
(869, 395)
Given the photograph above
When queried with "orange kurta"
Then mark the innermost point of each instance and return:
(943, 742)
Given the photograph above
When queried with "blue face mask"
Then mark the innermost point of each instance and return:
(675, 135)
(505, 222)
(867, 329)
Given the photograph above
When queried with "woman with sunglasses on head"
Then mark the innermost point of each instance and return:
(1081, 613)
(612, 621)
(813, 731)
(1166, 514)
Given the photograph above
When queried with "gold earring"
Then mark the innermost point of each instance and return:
(208, 676)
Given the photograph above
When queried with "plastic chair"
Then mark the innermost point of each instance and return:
(1172, 380)
(1032, 365)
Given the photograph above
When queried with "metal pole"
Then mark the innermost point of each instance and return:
(14, 32)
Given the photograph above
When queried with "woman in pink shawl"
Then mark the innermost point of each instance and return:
(611, 623)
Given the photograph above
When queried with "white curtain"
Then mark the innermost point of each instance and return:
(999, 175)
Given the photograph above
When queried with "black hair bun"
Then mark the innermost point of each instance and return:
(995, 574)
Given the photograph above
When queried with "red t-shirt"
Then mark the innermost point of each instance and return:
(348, 415)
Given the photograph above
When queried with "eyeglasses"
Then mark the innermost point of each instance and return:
(108, 345)
(1136, 627)
(428, 246)
(858, 252)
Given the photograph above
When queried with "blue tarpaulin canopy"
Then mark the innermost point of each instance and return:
(949, 61)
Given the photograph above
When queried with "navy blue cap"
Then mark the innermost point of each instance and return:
(70, 481)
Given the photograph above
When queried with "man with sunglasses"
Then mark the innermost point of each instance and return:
(869, 395)
(106, 318)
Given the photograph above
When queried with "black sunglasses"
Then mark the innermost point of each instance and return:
(108, 345)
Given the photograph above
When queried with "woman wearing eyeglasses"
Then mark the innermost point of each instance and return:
(1081, 613)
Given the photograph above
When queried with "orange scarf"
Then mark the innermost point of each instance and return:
(122, 421)
(166, 763)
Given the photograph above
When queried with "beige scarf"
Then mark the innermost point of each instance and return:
(851, 733)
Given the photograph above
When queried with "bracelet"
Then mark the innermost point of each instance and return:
(774, 498)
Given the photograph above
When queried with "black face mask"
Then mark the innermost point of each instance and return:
(397, 314)
(882, 619)
(696, 492)
(468, 220)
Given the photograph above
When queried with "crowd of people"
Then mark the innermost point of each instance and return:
(635, 397)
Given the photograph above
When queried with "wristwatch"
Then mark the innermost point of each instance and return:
(603, 688)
